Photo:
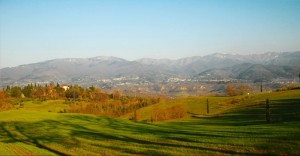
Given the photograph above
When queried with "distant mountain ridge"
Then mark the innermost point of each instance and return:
(231, 66)
(254, 72)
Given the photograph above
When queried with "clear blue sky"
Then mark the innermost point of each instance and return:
(38, 30)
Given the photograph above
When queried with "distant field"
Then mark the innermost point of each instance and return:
(235, 125)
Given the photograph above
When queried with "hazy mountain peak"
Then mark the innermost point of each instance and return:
(151, 61)
(106, 58)
(67, 59)
(223, 55)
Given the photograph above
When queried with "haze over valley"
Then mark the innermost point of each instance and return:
(192, 75)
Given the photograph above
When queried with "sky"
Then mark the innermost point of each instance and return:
(38, 30)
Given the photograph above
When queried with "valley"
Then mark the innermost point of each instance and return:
(190, 76)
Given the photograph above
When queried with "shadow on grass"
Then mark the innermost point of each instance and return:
(282, 111)
(44, 134)
(127, 137)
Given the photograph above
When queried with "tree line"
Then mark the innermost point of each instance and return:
(51, 92)
(90, 100)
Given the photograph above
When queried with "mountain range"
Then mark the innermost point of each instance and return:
(268, 66)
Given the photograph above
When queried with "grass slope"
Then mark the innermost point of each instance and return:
(45, 106)
(239, 129)
(196, 106)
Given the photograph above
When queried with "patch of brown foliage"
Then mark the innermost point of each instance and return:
(173, 112)
(5, 103)
(237, 89)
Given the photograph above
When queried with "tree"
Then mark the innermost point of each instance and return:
(27, 91)
(135, 116)
(95, 94)
(39, 92)
(5, 103)
(16, 92)
(207, 106)
(229, 90)
(237, 89)
(71, 93)
(60, 92)
(49, 91)
(116, 95)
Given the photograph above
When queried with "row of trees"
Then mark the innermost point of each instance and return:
(81, 100)
(115, 108)
(53, 92)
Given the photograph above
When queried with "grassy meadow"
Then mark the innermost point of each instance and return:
(234, 126)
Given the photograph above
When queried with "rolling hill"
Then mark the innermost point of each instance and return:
(237, 129)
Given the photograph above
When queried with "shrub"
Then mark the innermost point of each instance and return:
(5, 103)
(237, 89)
(234, 101)
(173, 112)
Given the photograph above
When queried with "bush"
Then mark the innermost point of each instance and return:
(237, 89)
(5, 102)
(173, 112)
(234, 101)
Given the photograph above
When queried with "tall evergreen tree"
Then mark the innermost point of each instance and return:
(16, 92)
(207, 106)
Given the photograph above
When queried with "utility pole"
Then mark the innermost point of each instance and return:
(299, 78)
(261, 86)
(268, 111)
(74, 95)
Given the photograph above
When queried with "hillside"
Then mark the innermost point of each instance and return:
(252, 72)
(196, 106)
(238, 128)
(103, 70)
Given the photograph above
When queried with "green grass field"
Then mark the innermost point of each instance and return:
(235, 126)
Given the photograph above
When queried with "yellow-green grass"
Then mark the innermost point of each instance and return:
(193, 105)
(197, 106)
(240, 128)
(45, 106)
